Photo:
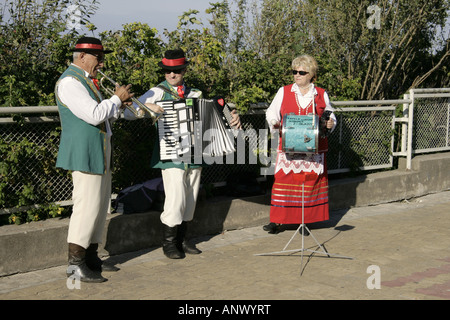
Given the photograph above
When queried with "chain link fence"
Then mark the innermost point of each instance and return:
(364, 139)
(431, 124)
(28, 147)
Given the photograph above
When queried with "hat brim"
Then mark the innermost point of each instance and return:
(180, 67)
(91, 50)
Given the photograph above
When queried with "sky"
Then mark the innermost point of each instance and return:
(161, 14)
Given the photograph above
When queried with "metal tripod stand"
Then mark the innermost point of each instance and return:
(303, 249)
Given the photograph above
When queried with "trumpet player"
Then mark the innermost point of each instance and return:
(85, 150)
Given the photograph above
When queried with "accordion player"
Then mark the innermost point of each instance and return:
(192, 129)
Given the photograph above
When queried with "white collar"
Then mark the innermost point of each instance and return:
(86, 74)
(176, 87)
(312, 90)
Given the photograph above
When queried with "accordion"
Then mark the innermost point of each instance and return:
(191, 129)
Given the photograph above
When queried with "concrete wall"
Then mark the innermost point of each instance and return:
(42, 244)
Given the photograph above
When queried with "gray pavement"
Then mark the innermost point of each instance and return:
(398, 250)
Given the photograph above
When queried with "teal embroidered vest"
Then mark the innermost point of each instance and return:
(155, 160)
(82, 146)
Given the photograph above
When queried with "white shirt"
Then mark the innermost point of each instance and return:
(273, 113)
(76, 97)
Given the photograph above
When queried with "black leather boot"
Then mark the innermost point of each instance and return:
(95, 263)
(182, 244)
(77, 265)
(170, 243)
(273, 228)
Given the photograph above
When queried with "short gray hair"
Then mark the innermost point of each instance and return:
(76, 55)
(308, 62)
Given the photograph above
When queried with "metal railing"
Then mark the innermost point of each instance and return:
(369, 135)
(363, 138)
(425, 122)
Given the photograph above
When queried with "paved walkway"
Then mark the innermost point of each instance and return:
(399, 251)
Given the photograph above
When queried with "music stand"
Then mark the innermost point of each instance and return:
(302, 249)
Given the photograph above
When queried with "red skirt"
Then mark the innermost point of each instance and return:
(289, 195)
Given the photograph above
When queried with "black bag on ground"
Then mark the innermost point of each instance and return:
(244, 185)
(140, 197)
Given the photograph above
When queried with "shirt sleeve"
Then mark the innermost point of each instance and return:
(330, 108)
(151, 96)
(77, 98)
(273, 113)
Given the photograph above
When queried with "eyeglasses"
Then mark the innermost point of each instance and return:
(302, 73)
(174, 71)
(100, 58)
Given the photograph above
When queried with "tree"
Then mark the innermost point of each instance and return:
(365, 51)
(205, 52)
(136, 53)
(34, 44)
(386, 57)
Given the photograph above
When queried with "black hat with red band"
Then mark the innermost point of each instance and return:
(174, 60)
(89, 44)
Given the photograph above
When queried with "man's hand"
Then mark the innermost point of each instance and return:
(155, 108)
(124, 93)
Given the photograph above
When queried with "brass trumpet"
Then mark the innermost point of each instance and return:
(138, 113)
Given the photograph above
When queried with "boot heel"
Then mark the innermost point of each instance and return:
(182, 244)
(190, 248)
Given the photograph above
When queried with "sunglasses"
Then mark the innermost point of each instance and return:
(302, 73)
(100, 58)
(174, 71)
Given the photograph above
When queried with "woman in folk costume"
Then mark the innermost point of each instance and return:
(294, 170)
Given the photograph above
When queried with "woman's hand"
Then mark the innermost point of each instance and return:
(330, 123)
(275, 124)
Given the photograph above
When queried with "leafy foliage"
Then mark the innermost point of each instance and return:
(244, 49)
(135, 56)
(30, 187)
(33, 48)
